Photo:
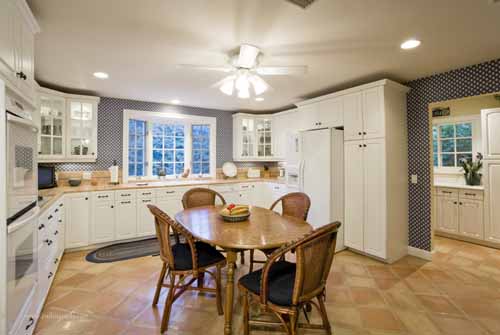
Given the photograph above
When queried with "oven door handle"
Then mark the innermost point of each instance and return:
(20, 120)
(23, 220)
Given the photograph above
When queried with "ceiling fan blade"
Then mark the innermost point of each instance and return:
(206, 67)
(281, 70)
(247, 57)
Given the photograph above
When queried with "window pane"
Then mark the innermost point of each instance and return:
(205, 131)
(205, 156)
(157, 156)
(434, 146)
(205, 168)
(169, 168)
(196, 168)
(168, 142)
(196, 131)
(448, 160)
(464, 130)
(435, 160)
(140, 141)
(179, 142)
(464, 145)
(434, 133)
(131, 127)
(140, 127)
(196, 155)
(196, 143)
(131, 156)
(157, 142)
(205, 144)
(156, 168)
(140, 156)
(131, 141)
(179, 130)
(448, 145)
(140, 170)
(169, 130)
(157, 129)
(179, 156)
(447, 131)
(468, 157)
(169, 156)
(131, 169)
(179, 168)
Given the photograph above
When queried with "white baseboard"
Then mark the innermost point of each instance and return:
(424, 254)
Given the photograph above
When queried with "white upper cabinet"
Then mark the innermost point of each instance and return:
(17, 39)
(373, 113)
(253, 137)
(353, 117)
(331, 113)
(491, 133)
(68, 127)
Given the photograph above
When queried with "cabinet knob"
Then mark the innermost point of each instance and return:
(50, 275)
(360, 133)
(454, 202)
(56, 232)
(364, 145)
(31, 322)
(461, 203)
(86, 198)
(50, 217)
(360, 145)
(40, 227)
(93, 153)
(364, 133)
(112, 206)
(18, 74)
(56, 260)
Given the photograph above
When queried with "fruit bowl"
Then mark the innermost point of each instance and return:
(235, 213)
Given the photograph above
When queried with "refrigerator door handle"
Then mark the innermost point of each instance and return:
(301, 175)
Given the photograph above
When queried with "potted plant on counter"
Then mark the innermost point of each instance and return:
(471, 170)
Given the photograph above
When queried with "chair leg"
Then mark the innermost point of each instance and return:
(251, 259)
(218, 293)
(293, 323)
(159, 284)
(242, 257)
(201, 279)
(246, 314)
(168, 305)
(324, 315)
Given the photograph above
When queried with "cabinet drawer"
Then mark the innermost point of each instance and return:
(245, 187)
(125, 195)
(146, 193)
(224, 188)
(104, 196)
(471, 194)
(171, 192)
(447, 192)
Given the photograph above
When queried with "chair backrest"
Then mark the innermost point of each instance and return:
(314, 257)
(164, 224)
(199, 196)
(294, 204)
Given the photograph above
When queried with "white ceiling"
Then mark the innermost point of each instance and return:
(343, 42)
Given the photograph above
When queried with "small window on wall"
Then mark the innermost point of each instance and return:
(136, 147)
(200, 135)
(168, 149)
(453, 142)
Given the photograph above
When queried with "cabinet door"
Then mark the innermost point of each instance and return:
(309, 116)
(492, 201)
(246, 138)
(353, 117)
(103, 222)
(354, 190)
(447, 215)
(491, 133)
(170, 206)
(145, 220)
(25, 61)
(470, 220)
(77, 220)
(126, 219)
(331, 113)
(82, 126)
(375, 226)
(373, 113)
(264, 135)
(52, 128)
(7, 41)
(279, 135)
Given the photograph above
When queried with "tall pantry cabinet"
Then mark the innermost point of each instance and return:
(376, 170)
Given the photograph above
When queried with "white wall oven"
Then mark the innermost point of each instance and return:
(22, 212)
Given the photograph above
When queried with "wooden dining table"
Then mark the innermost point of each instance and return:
(264, 229)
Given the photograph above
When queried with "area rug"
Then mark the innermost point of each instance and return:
(123, 251)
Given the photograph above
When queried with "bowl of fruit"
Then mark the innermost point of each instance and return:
(235, 213)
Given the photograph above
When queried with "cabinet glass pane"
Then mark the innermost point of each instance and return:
(76, 110)
(57, 142)
(46, 125)
(85, 146)
(260, 151)
(87, 112)
(76, 146)
(268, 150)
(57, 127)
(45, 147)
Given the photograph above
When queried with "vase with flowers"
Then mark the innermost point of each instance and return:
(471, 170)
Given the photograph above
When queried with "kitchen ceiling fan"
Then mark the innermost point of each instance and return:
(245, 72)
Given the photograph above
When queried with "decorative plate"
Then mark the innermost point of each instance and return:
(229, 169)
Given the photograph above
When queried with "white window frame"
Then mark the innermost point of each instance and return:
(476, 139)
(167, 117)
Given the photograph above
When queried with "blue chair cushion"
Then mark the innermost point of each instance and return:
(207, 255)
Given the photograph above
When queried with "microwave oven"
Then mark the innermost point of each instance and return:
(46, 177)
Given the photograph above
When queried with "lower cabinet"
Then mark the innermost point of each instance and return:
(102, 228)
(145, 220)
(447, 215)
(77, 215)
(125, 219)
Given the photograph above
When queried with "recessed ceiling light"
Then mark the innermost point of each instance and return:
(175, 101)
(101, 75)
(410, 44)
(259, 99)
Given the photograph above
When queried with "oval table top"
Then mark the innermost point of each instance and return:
(264, 229)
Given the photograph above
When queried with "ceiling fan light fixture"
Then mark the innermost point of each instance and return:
(259, 85)
(227, 86)
(242, 82)
(244, 93)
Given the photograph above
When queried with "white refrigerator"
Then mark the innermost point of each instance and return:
(316, 167)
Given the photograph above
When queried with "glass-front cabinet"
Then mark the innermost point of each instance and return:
(252, 137)
(68, 127)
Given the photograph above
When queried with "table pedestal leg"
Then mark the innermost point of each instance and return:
(228, 312)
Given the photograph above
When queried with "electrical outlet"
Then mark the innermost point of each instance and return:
(414, 179)
(87, 175)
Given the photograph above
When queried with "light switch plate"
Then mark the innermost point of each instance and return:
(87, 175)
(414, 179)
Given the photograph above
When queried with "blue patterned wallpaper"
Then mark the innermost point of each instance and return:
(469, 81)
(110, 131)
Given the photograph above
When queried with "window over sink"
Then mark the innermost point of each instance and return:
(168, 144)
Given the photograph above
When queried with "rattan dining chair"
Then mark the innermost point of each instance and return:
(284, 288)
(294, 204)
(200, 196)
(181, 261)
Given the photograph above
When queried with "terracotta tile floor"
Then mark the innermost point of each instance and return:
(457, 293)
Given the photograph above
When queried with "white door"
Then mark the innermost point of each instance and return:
(354, 195)
(103, 221)
(492, 201)
(373, 113)
(374, 197)
(447, 215)
(77, 219)
(470, 220)
(145, 220)
(126, 219)
(491, 133)
(353, 117)
(331, 113)
(7, 41)
(316, 174)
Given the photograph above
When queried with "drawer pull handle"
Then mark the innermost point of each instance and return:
(56, 232)
(148, 193)
(40, 227)
(31, 322)
(126, 195)
(50, 217)
(125, 202)
(60, 221)
(56, 260)
(49, 242)
(144, 201)
(57, 210)
(471, 194)
(447, 192)
(170, 192)
(102, 196)
(50, 275)
(60, 205)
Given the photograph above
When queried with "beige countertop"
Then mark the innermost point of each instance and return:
(464, 187)
(54, 194)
